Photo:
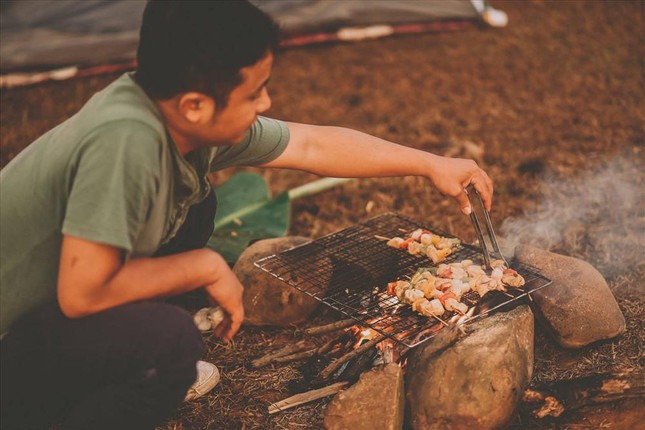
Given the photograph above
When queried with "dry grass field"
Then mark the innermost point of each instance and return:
(554, 102)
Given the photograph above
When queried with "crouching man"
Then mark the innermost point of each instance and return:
(108, 214)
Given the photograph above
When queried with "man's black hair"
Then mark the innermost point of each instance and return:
(200, 46)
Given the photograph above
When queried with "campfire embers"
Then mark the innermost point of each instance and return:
(352, 350)
(335, 364)
(338, 362)
(355, 347)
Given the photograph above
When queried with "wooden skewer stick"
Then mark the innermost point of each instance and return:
(440, 320)
(330, 327)
(334, 365)
(268, 358)
(381, 237)
(309, 396)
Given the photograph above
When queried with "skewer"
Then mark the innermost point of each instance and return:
(381, 237)
(440, 320)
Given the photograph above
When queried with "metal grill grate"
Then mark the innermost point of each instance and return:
(349, 270)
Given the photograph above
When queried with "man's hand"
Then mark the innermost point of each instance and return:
(452, 175)
(227, 292)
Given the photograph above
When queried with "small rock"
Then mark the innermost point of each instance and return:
(267, 299)
(375, 402)
(207, 319)
(215, 316)
(578, 308)
(201, 320)
(478, 382)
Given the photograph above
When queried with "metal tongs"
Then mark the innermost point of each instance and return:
(477, 205)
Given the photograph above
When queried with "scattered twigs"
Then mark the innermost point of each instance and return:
(330, 327)
(334, 365)
(296, 356)
(309, 396)
(268, 358)
(554, 398)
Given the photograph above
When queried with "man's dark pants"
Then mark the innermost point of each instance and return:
(124, 368)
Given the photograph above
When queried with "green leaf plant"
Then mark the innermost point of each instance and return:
(246, 212)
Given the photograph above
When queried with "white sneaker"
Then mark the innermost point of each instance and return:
(495, 17)
(207, 378)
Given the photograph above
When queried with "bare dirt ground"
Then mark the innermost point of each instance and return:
(554, 101)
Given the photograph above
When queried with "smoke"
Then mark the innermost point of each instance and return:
(598, 216)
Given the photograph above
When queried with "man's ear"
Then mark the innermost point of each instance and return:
(196, 108)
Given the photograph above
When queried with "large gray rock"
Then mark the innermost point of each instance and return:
(375, 402)
(268, 300)
(578, 308)
(478, 382)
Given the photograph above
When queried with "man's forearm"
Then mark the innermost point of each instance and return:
(149, 278)
(342, 152)
(92, 279)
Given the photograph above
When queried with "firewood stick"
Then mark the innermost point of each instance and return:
(296, 356)
(554, 398)
(331, 368)
(361, 363)
(309, 396)
(330, 327)
(325, 348)
(266, 359)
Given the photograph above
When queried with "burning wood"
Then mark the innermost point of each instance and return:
(359, 348)
(329, 370)
(387, 352)
(554, 398)
(329, 346)
(354, 368)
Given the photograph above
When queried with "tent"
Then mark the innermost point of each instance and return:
(58, 39)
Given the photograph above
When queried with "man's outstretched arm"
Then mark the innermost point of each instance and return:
(342, 152)
(92, 278)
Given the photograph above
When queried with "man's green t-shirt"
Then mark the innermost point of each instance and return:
(109, 174)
